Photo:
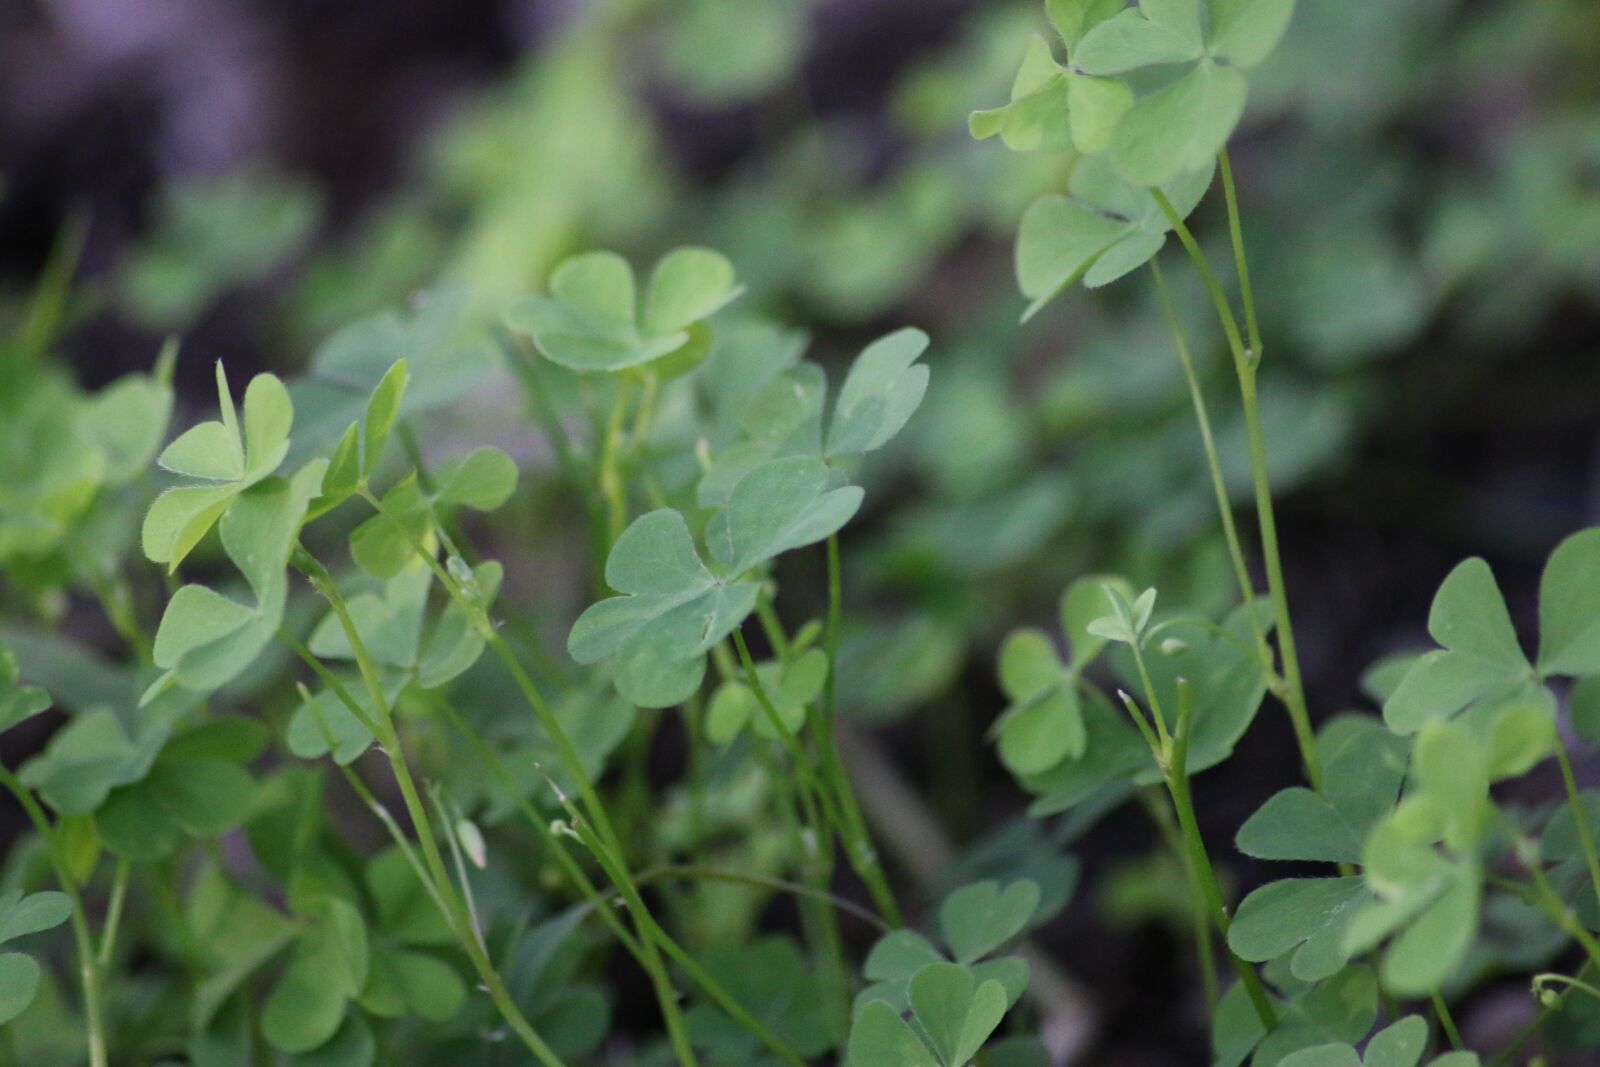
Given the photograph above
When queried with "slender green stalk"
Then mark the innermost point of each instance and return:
(1204, 951)
(108, 931)
(1241, 262)
(1580, 818)
(1245, 363)
(1177, 775)
(1230, 530)
(1447, 1023)
(612, 488)
(89, 971)
(454, 911)
(759, 881)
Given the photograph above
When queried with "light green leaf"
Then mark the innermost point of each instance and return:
(483, 480)
(1469, 616)
(1074, 18)
(1569, 607)
(880, 1038)
(1179, 128)
(1244, 32)
(880, 394)
(1307, 914)
(1134, 39)
(1094, 107)
(687, 285)
(779, 506)
(1058, 241)
(383, 408)
(671, 611)
(979, 918)
(19, 981)
(1042, 732)
(956, 1013)
(1398, 1045)
(22, 915)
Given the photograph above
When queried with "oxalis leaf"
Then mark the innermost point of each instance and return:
(1054, 108)
(206, 639)
(882, 391)
(593, 321)
(1480, 656)
(215, 454)
(1105, 230)
(673, 608)
(979, 918)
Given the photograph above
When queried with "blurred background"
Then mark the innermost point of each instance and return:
(1421, 188)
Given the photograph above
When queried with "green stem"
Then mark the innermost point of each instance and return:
(1446, 1023)
(1230, 530)
(89, 972)
(1580, 818)
(1202, 921)
(570, 760)
(108, 932)
(1245, 363)
(1177, 774)
(433, 860)
(612, 489)
(1241, 262)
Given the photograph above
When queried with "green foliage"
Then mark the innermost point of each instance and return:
(594, 321)
(20, 916)
(955, 1006)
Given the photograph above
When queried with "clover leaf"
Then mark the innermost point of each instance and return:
(790, 686)
(206, 639)
(1054, 108)
(593, 320)
(1339, 1009)
(955, 1015)
(1482, 668)
(227, 463)
(673, 608)
(197, 787)
(974, 920)
(775, 983)
(1364, 765)
(19, 916)
(1181, 126)
(17, 702)
(779, 413)
(1044, 724)
(1427, 897)
(444, 361)
(881, 392)
(327, 970)
(1398, 1045)
(1227, 686)
(1569, 607)
(979, 918)
(1104, 230)
(671, 611)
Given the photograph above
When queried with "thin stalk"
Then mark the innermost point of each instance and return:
(860, 850)
(1230, 530)
(83, 942)
(612, 488)
(569, 759)
(1177, 774)
(1202, 921)
(1441, 1010)
(433, 860)
(760, 881)
(1241, 262)
(1245, 363)
(108, 931)
(1580, 819)
(833, 791)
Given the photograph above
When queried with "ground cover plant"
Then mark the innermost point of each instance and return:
(347, 796)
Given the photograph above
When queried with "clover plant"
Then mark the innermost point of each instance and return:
(333, 633)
